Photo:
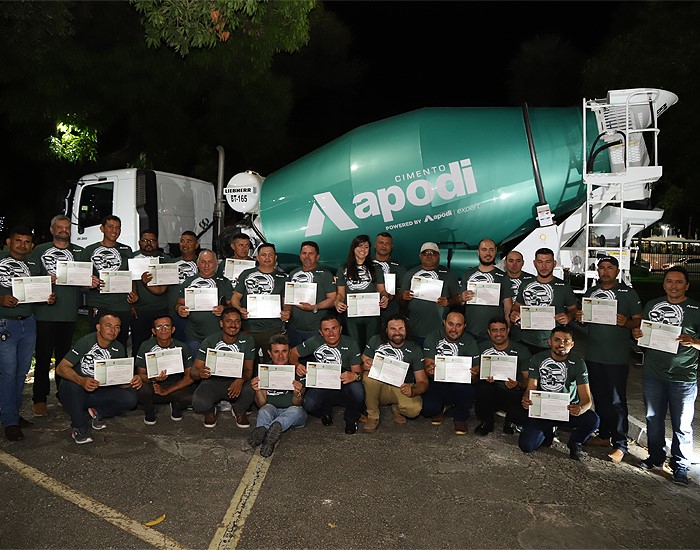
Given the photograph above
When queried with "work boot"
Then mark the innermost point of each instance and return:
(396, 415)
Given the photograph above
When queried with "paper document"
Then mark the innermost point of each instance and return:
(296, 293)
(363, 304)
(138, 266)
(116, 282)
(453, 368)
(201, 299)
(549, 405)
(537, 317)
(323, 375)
(390, 283)
(276, 377)
(233, 268)
(425, 288)
(164, 274)
(112, 372)
(29, 290)
(485, 294)
(500, 367)
(389, 370)
(224, 363)
(599, 311)
(263, 306)
(168, 360)
(660, 336)
(73, 273)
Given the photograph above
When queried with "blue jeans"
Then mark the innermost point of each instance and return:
(15, 359)
(288, 417)
(318, 402)
(679, 399)
(444, 394)
(108, 401)
(533, 434)
(609, 389)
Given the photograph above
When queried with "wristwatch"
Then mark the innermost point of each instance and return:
(315, 309)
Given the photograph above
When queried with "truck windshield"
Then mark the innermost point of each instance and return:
(95, 204)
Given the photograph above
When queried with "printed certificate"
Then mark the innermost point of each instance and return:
(323, 375)
(276, 377)
(29, 290)
(500, 367)
(660, 336)
(138, 266)
(73, 273)
(113, 372)
(263, 306)
(485, 294)
(599, 311)
(453, 368)
(549, 405)
(537, 317)
(296, 293)
(389, 370)
(164, 274)
(425, 288)
(168, 360)
(224, 363)
(201, 299)
(390, 283)
(116, 282)
(363, 304)
(233, 268)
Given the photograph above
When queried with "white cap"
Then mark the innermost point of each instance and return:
(429, 246)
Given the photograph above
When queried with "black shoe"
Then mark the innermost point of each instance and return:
(649, 464)
(680, 476)
(548, 438)
(575, 452)
(327, 420)
(256, 438)
(484, 428)
(25, 423)
(509, 428)
(350, 427)
(271, 438)
(14, 433)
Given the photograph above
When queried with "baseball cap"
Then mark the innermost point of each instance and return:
(430, 246)
(610, 259)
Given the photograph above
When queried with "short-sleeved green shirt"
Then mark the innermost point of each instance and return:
(346, 353)
(149, 302)
(478, 315)
(151, 345)
(9, 269)
(423, 316)
(558, 376)
(86, 351)
(513, 349)
(107, 258)
(325, 284)
(409, 353)
(65, 308)
(244, 344)
(201, 324)
(254, 281)
(554, 293)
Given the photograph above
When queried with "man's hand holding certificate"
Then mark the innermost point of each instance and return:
(425, 288)
(276, 377)
(73, 273)
(29, 290)
(453, 368)
(537, 317)
(659, 336)
(233, 268)
(363, 304)
(263, 306)
(600, 311)
(549, 405)
(168, 360)
(323, 375)
(201, 299)
(388, 370)
(224, 363)
(299, 293)
(138, 266)
(113, 372)
(164, 274)
(115, 282)
(485, 294)
(499, 367)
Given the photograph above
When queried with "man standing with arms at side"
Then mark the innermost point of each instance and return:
(670, 379)
(305, 320)
(516, 276)
(55, 323)
(17, 331)
(545, 290)
(478, 315)
(608, 357)
(383, 247)
(109, 255)
(186, 267)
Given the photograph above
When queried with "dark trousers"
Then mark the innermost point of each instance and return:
(212, 390)
(141, 325)
(318, 402)
(124, 316)
(108, 401)
(609, 389)
(491, 397)
(53, 339)
(535, 430)
(444, 394)
(148, 399)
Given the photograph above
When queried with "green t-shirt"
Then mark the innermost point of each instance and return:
(9, 269)
(515, 283)
(424, 316)
(107, 258)
(409, 353)
(534, 293)
(478, 315)
(438, 344)
(513, 349)
(254, 281)
(149, 302)
(325, 284)
(681, 366)
(346, 353)
(151, 345)
(608, 344)
(201, 324)
(558, 376)
(65, 308)
(86, 351)
(244, 344)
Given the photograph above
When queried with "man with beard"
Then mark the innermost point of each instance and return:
(109, 255)
(383, 247)
(80, 391)
(55, 323)
(17, 331)
(493, 395)
(670, 379)
(264, 279)
(304, 322)
(514, 269)
(608, 357)
(186, 267)
(213, 389)
(405, 400)
(450, 340)
(201, 324)
(333, 347)
(423, 315)
(545, 290)
(478, 315)
(555, 370)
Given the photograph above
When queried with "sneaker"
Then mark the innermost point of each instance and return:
(485, 428)
(97, 422)
(271, 439)
(326, 420)
(680, 476)
(575, 452)
(460, 427)
(371, 425)
(509, 428)
(175, 412)
(80, 436)
(210, 420)
(39, 409)
(597, 441)
(149, 419)
(396, 415)
(241, 420)
(225, 406)
(439, 418)
(350, 427)
(649, 464)
(257, 437)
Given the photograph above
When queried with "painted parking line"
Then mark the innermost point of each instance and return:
(229, 532)
(102, 511)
